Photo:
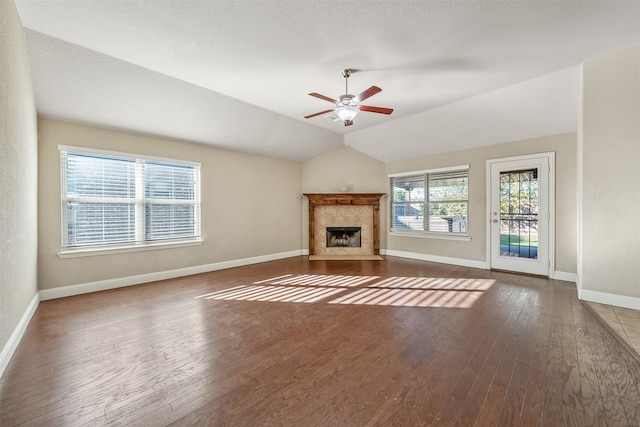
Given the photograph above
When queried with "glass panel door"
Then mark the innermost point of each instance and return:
(520, 219)
(519, 213)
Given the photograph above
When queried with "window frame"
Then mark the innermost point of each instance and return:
(426, 175)
(139, 201)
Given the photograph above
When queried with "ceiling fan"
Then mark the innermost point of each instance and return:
(348, 106)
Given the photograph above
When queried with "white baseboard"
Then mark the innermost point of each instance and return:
(102, 285)
(609, 299)
(558, 275)
(565, 276)
(435, 258)
(18, 332)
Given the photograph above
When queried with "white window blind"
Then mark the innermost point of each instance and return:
(430, 202)
(113, 199)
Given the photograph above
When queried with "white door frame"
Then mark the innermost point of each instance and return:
(548, 157)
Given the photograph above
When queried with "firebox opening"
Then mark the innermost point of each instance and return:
(343, 237)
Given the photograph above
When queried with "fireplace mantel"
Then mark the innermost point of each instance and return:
(345, 199)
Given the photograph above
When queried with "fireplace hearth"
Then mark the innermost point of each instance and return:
(344, 237)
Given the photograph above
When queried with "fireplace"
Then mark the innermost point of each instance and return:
(347, 212)
(344, 237)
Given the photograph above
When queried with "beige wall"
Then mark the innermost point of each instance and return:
(250, 206)
(611, 181)
(344, 170)
(18, 176)
(563, 145)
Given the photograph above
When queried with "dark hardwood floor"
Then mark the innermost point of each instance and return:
(323, 343)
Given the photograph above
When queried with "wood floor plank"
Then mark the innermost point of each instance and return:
(611, 405)
(299, 342)
(538, 347)
(572, 401)
(594, 413)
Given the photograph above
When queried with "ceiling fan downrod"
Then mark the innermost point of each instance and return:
(346, 73)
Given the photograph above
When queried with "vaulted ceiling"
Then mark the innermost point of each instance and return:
(237, 74)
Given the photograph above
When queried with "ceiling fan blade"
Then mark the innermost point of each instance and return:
(318, 114)
(326, 98)
(367, 93)
(379, 110)
(348, 122)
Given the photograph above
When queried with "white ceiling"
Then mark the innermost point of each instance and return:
(236, 74)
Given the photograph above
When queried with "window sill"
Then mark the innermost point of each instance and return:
(461, 238)
(108, 250)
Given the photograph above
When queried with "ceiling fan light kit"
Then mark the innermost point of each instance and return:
(347, 112)
(348, 106)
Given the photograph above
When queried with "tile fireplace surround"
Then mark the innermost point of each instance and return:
(344, 210)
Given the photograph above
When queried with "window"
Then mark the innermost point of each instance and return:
(443, 194)
(113, 199)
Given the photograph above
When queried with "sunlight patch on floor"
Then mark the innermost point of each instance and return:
(435, 283)
(318, 280)
(273, 293)
(410, 298)
(448, 292)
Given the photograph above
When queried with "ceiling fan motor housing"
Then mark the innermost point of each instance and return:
(345, 100)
